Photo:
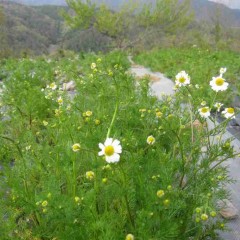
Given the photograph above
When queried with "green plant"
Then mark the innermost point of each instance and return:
(58, 179)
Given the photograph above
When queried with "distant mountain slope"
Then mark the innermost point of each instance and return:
(230, 3)
(235, 4)
(28, 29)
(41, 2)
(205, 10)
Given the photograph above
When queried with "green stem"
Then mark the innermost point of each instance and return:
(223, 160)
(214, 99)
(11, 140)
(74, 176)
(182, 157)
(113, 119)
(191, 118)
(126, 199)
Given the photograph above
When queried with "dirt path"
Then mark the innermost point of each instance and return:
(161, 85)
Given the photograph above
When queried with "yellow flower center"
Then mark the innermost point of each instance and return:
(230, 110)
(52, 85)
(219, 81)
(88, 113)
(129, 237)
(90, 175)
(204, 217)
(44, 203)
(151, 139)
(109, 150)
(76, 147)
(160, 193)
(182, 80)
(204, 110)
(159, 114)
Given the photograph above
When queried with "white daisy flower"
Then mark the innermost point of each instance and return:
(182, 79)
(218, 84)
(204, 112)
(111, 150)
(60, 101)
(151, 140)
(229, 113)
(218, 106)
(53, 86)
(222, 70)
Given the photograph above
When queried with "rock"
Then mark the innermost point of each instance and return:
(233, 123)
(72, 94)
(236, 102)
(237, 119)
(227, 209)
(69, 86)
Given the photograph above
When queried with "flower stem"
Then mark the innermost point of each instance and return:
(74, 176)
(113, 119)
(214, 99)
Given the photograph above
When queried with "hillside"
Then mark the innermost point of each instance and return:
(26, 28)
(235, 4)
(205, 10)
(34, 29)
(41, 2)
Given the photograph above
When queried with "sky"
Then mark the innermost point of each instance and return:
(229, 3)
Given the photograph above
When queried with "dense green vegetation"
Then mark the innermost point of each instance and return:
(201, 64)
(86, 152)
(54, 184)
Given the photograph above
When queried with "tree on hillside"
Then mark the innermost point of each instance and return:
(217, 25)
(221, 30)
(132, 22)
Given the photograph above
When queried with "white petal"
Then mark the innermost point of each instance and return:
(101, 153)
(101, 146)
(108, 141)
(115, 142)
(113, 159)
(118, 149)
